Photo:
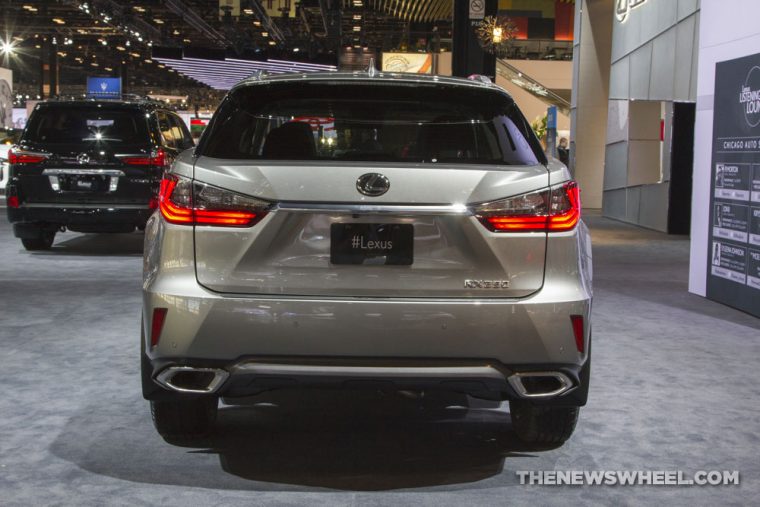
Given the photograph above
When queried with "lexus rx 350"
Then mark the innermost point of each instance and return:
(367, 230)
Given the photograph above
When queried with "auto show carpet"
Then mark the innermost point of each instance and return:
(673, 388)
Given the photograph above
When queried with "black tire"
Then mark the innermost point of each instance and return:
(44, 242)
(184, 420)
(542, 424)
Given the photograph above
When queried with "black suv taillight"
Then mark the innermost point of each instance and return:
(184, 202)
(20, 157)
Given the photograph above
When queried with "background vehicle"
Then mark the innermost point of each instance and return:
(358, 230)
(90, 166)
(8, 137)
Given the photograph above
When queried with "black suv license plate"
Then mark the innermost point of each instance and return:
(389, 244)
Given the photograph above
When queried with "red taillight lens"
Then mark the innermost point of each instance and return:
(183, 202)
(16, 156)
(157, 158)
(13, 201)
(157, 325)
(577, 321)
(556, 209)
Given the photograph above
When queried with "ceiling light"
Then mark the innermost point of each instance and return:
(94, 64)
(6, 48)
(158, 21)
(357, 17)
(357, 29)
(135, 55)
(121, 48)
(59, 21)
(265, 34)
(138, 8)
(272, 43)
(175, 32)
(148, 60)
(296, 50)
(257, 23)
(248, 11)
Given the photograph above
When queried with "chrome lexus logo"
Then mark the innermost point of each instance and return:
(83, 158)
(372, 184)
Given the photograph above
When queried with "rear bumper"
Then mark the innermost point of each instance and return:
(95, 217)
(490, 380)
(338, 341)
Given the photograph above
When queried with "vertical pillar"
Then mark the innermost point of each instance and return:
(53, 69)
(468, 57)
(124, 74)
(592, 59)
(44, 90)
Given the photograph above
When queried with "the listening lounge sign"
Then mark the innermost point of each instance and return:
(733, 271)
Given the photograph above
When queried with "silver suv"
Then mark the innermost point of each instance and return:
(366, 230)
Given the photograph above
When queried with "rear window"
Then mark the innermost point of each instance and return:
(87, 124)
(378, 122)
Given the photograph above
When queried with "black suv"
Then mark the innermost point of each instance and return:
(90, 166)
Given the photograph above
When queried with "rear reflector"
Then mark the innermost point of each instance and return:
(25, 157)
(184, 202)
(556, 209)
(157, 325)
(577, 321)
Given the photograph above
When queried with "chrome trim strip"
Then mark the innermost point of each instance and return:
(374, 209)
(515, 380)
(85, 172)
(452, 372)
(165, 377)
(74, 205)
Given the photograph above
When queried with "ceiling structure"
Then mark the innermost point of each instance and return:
(131, 39)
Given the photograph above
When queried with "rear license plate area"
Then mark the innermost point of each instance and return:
(378, 244)
(83, 183)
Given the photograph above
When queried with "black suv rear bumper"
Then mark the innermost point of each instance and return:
(28, 221)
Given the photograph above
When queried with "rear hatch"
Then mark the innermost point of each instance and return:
(87, 153)
(369, 191)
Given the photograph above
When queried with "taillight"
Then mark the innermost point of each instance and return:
(16, 156)
(157, 158)
(555, 209)
(13, 201)
(182, 201)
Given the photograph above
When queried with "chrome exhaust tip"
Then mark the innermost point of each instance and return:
(187, 379)
(540, 384)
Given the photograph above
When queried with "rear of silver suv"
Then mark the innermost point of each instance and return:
(367, 231)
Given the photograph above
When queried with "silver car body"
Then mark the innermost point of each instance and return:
(263, 306)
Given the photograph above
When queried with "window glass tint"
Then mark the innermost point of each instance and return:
(87, 123)
(165, 126)
(372, 122)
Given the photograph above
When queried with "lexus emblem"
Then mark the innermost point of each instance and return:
(83, 158)
(372, 184)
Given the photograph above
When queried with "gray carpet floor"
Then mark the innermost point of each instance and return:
(674, 387)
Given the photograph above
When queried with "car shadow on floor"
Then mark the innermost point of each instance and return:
(363, 441)
(99, 245)
(305, 441)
